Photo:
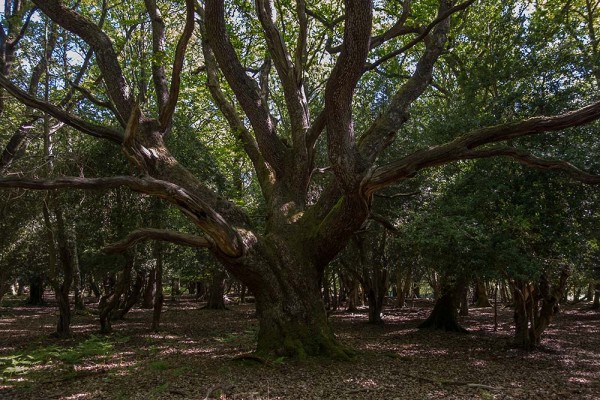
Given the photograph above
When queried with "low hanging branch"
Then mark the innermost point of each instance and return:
(225, 237)
(157, 234)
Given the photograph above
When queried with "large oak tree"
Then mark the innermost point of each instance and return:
(282, 261)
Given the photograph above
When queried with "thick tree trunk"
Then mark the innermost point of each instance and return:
(293, 320)
(216, 291)
(444, 315)
(481, 297)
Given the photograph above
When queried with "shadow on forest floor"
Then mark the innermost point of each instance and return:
(192, 358)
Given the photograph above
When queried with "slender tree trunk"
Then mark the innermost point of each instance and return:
(158, 293)
(464, 301)
(589, 294)
(93, 287)
(242, 293)
(4, 286)
(596, 302)
(77, 281)
(216, 291)
(175, 287)
(353, 295)
(403, 285)
(62, 287)
(148, 301)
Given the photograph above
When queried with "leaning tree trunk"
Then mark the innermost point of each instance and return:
(216, 291)
(110, 300)
(444, 315)
(133, 296)
(148, 297)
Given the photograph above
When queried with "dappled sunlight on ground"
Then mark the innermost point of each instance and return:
(194, 355)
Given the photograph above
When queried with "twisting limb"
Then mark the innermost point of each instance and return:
(166, 114)
(383, 130)
(228, 110)
(381, 220)
(441, 17)
(69, 119)
(157, 234)
(398, 29)
(464, 146)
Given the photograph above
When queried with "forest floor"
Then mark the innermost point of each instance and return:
(194, 357)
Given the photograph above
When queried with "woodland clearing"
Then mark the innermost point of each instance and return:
(203, 354)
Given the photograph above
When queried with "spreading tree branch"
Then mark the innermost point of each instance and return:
(160, 235)
(159, 51)
(464, 146)
(383, 130)
(69, 119)
(289, 74)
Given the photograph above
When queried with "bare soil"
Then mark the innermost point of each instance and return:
(200, 354)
